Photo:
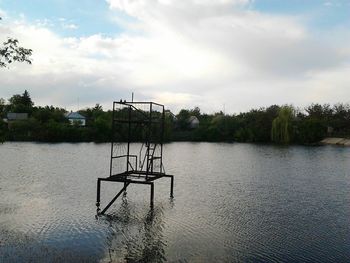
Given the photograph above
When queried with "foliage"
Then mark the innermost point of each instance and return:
(281, 131)
(21, 103)
(10, 52)
(3, 131)
(182, 119)
(2, 108)
(273, 124)
(310, 130)
(47, 113)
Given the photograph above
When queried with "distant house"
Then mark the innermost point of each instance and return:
(76, 118)
(193, 122)
(168, 113)
(13, 116)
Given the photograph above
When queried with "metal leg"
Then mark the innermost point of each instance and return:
(152, 195)
(125, 185)
(172, 187)
(98, 194)
(115, 198)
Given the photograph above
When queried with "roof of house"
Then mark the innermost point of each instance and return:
(75, 115)
(17, 116)
(169, 113)
(193, 119)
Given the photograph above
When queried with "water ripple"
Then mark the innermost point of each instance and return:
(233, 203)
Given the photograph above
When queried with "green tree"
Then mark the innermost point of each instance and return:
(196, 111)
(21, 103)
(310, 130)
(282, 125)
(2, 108)
(3, 125)
(3, 129)
(24, 130)
(168, 125)
(341, 119)
(44, 114)
(102, 128)
(182, 118)
(318, 111)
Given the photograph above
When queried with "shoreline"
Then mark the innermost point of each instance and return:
(336, 141)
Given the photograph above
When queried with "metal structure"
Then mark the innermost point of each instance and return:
(136, 148)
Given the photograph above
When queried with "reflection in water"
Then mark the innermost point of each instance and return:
(234, 203)
(135, 237)
(20, 247)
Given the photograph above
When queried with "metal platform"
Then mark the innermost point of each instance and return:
(136, 148)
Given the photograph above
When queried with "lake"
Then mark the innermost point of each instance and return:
(233, 203)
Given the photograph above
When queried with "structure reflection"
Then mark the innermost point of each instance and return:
(136, 237)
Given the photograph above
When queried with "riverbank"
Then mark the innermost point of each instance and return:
(336, 141)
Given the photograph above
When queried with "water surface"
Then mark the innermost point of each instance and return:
(233, 203)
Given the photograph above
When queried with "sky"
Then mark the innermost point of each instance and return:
(222, 55)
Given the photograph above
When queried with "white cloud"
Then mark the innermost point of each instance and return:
(70, 26)
(2, 13)
(329, 86)
(184, 54)
(61, 71)
(240, 57)
(44, 23)
(335, 3)
(328, 4)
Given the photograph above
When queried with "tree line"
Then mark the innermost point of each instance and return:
(275, 124)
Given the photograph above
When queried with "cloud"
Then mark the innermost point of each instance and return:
(2, 13)
(232, 55)
(44, 22)
(185, 54)
(145, 9)
(328, 4)
(62, 71)
(70, 26)
(335, 3)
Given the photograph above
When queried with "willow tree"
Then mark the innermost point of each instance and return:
(282, 125)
